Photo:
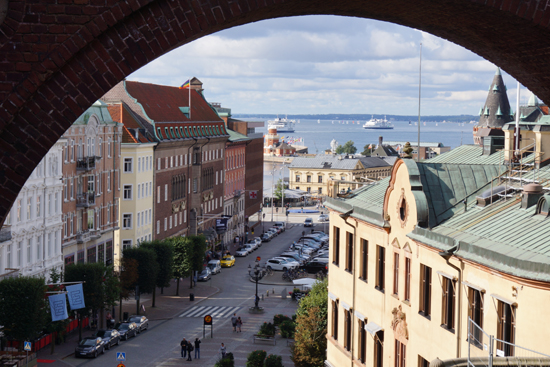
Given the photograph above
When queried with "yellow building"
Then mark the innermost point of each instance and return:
(312, 174)
(438, 242)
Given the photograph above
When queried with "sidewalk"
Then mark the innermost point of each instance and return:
(167, 306)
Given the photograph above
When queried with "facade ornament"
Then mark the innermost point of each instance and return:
(182, 205)
(175, 208)
(399, 325)
(407, 150)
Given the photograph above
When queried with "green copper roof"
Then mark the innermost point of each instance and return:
(481, 111)
(495, 88)
(499, 112)
(235, 136)
(498, 71)
(471, 154)
(533, 101)
(486, 111)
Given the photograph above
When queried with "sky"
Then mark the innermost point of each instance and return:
(330, 64)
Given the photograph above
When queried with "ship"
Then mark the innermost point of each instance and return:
(281, 124)
(378, 124)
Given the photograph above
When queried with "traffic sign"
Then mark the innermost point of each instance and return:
(207, 320)
(258, 258)
(120, 356)
(120, 365)
(28, 346)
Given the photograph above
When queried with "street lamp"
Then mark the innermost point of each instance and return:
(257, 276)
(272, 190)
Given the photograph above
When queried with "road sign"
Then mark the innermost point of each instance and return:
(120, 356)
(28, 346)
(208, 320)
(120, 365)
(258, 258)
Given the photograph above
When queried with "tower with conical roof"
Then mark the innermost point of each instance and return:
(495, 113)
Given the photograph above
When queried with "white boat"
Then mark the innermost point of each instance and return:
(378, 124)
(281, 124)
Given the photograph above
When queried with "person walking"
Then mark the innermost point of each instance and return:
(183, 345)
(239, 324)
(189, 350)
(223, 351)
(197, 348)
(234, 322)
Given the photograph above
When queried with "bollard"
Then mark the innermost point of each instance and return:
(267, 293)
(262, 297)
(273, 291)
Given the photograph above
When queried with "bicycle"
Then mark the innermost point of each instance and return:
(269, 271)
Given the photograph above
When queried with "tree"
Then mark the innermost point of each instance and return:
(165, 260)
(197, 253)
(147, 269)
(57, 328)
(278, 193)
(128, 276)
(348, 148)
(22, 307)
(182, 261)
(310, 345)
(367, 150)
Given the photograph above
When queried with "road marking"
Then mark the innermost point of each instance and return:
(214, 311)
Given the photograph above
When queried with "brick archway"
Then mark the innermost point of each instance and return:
(58, 58)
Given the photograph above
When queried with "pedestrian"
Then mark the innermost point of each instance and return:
(197, 348)
(234, 322)
(183, 345)
(223, 351)
(239, 324)
(189, 350)
(256, 301)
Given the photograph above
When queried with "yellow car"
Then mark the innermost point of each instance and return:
(228, 261)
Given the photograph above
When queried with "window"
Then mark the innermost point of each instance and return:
(349, 251)
(158, 226)
(139, 164)
(297, 178)
(362, 342)
(364, 259)
(101, 253)
(128, 165)
(29, 243)
(407, 295)
(320, 190)
(506, 328)
(158, 194)
(91, 256)
(425, 290)
(347, 330)
(29, 207)
(127, 221)
(126, 244)
(165, 224)
(319, 179)
(158, 164)
(400, 351)
(127, 192)
(423, 362)
(195, 185)
(39, 208)
(138, 218)
(448, 304)
(336, 241)
(475, 312)
(380, 268)
(334, 330)
(379, 349)
(80, 257)
(108, 181)
(308, 178)
(165, 192)
(396, 273)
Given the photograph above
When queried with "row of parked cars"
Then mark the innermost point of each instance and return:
(310, 253)
(102, 340)
(255, 243)
(215, 266)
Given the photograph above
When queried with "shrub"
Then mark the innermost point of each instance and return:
(287, 328)
(273, 360)
(278, 319)
(256, 358)
(267, 328)
(228, 361)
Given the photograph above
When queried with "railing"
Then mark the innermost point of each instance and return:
(87, 235)
(86, 199)
(86, 163)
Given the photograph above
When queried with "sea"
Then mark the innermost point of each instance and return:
(317, 135)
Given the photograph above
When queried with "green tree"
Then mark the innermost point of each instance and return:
(57, 327)
(147, 269)
(165, 259)
(367, 150)
(278, 193)
(310, 345)
(182, 261)
(128, 276)
(348, 148)
(197, 253)
(22, 307)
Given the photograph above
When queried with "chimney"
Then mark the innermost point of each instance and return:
(531, 195)
(380, 139)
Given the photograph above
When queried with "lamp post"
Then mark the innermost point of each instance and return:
(272, 190)
(257, 277)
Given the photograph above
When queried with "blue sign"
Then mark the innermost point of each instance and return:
(58, 307)
(76, 296)
(28, 346)
(120, 356)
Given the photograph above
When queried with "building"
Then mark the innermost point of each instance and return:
(91, 187)
(30, 240)
(313, 174)
(188, 160)
(137, 178)
(234, 191)
(416, 255)
(274, 147)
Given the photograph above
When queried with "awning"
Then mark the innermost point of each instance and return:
(448, 276)
(304, 281)
(345, 305)
(373, 328)
(332, 296)
(359, 315)
(477, 288)
(505, 300)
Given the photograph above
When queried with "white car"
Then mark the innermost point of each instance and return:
(250, 247)
(291, 262)
(323, 218)
(258, 241)
(253, 244)
(278, 264)
(242, 252)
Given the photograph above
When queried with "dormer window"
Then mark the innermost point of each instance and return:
(159, 133)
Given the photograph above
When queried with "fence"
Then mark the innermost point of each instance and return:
(485, 350)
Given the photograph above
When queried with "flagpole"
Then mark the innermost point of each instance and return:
(419, 90)
(189, 98)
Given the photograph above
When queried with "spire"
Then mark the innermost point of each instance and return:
(497, 73)
(533, 101)
(496, 111)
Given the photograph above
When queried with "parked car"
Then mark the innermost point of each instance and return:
(142, 322)
(110, 337)
(204, 275)
(126, 329)
(253, 244)
(243, 251)
(90, 346)
(258, 241)
(308, 222)
(228, 261)
(214, 266)
(294, 257)
(266, 237)
(315, 266)
(250, 247)
(291, 262)
(280, 225)
(323, 218)
(273, 232)
(278, 264)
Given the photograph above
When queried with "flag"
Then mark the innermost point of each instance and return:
(370, 146)
(58, 307)
(253, 194)
(76, 296)
(187, 84)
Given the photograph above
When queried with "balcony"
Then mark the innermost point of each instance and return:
(87, 163)
(87, 235)
(85, 200)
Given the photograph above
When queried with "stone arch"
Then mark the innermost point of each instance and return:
(60, 58)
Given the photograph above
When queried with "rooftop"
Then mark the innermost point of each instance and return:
(337, 162)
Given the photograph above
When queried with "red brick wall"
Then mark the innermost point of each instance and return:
(254, 175)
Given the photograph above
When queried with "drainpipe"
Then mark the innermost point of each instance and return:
(447, 255)
(345, 216)
(189, 181)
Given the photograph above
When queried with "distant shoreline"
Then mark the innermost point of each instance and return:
(365, 117)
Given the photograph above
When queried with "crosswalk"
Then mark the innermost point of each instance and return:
(214, 311)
